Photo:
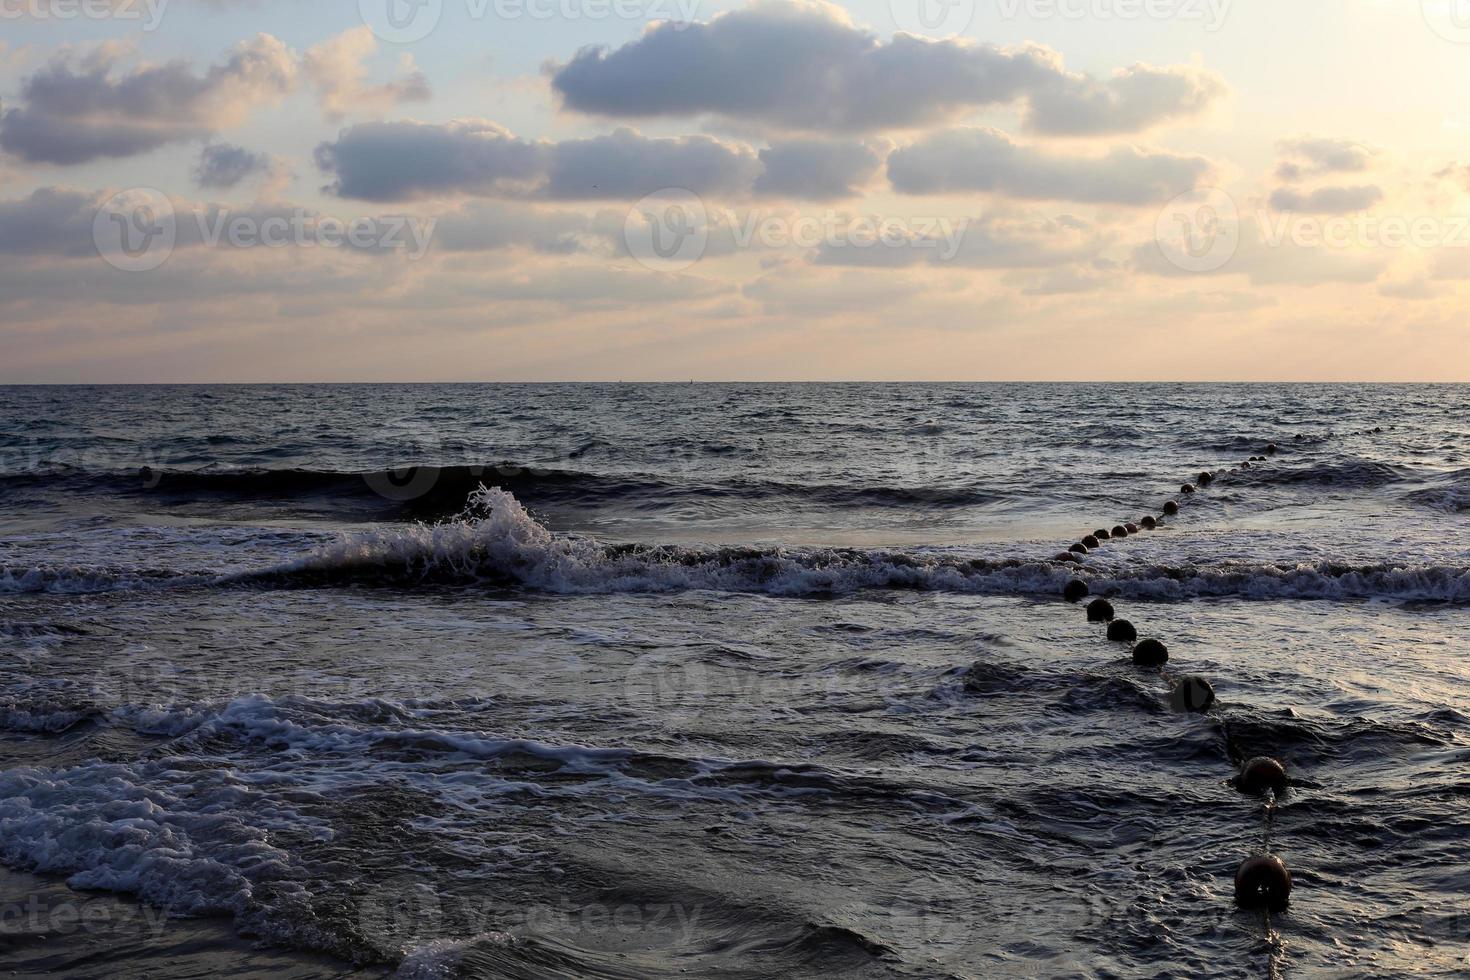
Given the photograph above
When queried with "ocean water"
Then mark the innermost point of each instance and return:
(639, 681)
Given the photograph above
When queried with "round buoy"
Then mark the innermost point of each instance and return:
(1205, 479)
(1149, 523)
(1187, 488)
(1122, 631)
(1192, 694)
(1272, 449)
(1263, 882)
(1261, 774)
(1102, 534)
(1099, 611)
(1131, 528)
(1067, 556)
(1076, 590)
(1120, 531)
(1150, 653)
(1079, 549)
(1171, 508)
(1245, 466)
(1091, 541)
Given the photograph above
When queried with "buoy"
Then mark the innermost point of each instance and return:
(1150, 653)
(1192, 694)
(1120, 531)
(1067, 556)
(1205, 479)
(1187, 488)
(1091, 541)
(1245, 466)
(1263, 882)
(1171, 508)
(1122, 631)
(1272, 449)
(1099, 611)
(1261, 774)
(1079, 549)
(1102, 534)
(1149, 523)
(1131, 528)
(1076, 590)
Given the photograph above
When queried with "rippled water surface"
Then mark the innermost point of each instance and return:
(727, 680)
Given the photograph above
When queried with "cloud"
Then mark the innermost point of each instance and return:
(1315, 156)
(337, 69)
(1327, 200)
(223, 166)
(817, 170)
(51, 221)
(406, 160)
(1268, 257)
(74, 112)
(970, 160)
(804, 66)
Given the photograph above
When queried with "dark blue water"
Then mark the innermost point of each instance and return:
(728, 680)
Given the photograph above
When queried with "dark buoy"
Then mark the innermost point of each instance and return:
(1245, 466)
(1187, 488)
(1099, 611)
(1149, 523)
(1079, 549)
(1263, 882)
(1205, 479)
(1076, 590)
(1171, 508)
(1102, 534)
(1120, 531)
(1150, 653)
(1192, 694)
(1261, 774)
(1069, 558)
(1272, 449)
(1131, 528)
(1091, 541)
(1122, 631)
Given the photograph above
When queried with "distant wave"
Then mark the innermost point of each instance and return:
(428, 491)
(498, 542)
(1449, 493)
(1350, 473)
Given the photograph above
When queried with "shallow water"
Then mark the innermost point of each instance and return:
(731, 680)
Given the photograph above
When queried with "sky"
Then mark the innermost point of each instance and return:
(480, 190)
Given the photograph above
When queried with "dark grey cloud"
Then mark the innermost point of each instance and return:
(72, 112)
(405, 160)
(986, 160)
(815, 169)
(224, 165)
(51, 221)
(804, 66)
(1314, 156)
(1327, 200)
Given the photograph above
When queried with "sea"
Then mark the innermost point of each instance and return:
(730, 680)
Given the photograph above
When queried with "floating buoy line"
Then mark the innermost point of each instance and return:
(1263, 881)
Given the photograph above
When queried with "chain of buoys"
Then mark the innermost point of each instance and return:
(1262, 882)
